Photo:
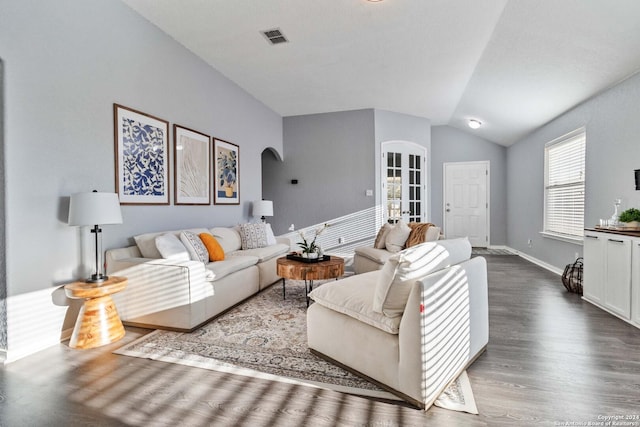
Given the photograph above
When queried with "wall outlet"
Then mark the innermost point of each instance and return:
(340, 240)
(368, 193)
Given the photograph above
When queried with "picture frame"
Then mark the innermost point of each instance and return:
(191, 167)
(226, 163)
(141, 157)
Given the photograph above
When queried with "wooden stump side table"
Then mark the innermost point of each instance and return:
(98, 321)
(298, 270)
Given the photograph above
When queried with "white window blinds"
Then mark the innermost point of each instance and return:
(564, 185)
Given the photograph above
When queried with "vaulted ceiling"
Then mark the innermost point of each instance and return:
(512, 64)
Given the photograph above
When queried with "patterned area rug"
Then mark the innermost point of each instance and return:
(266, 337)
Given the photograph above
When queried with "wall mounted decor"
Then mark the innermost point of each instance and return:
(192, 167)
(142, 157)
(226, 161)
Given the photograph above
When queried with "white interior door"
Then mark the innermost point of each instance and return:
(466, 201)
(404, 181)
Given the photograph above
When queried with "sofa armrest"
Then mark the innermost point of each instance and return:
(158, 284)
(443, 329)
(285, 241)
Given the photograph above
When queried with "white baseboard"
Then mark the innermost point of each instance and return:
(536, 261)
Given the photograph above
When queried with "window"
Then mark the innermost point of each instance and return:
(564, 185)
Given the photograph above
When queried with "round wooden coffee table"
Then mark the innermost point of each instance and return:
(291, 269)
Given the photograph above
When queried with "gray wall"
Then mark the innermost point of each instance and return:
(65, 64)
(453, 145)
(332, 157)
(3, 255)
(612, 153)
(336, 158)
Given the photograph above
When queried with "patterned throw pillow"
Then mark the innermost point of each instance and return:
(216, 253)
(197, 250)
(253, 235)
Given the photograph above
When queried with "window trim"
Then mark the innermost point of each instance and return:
(546, 232)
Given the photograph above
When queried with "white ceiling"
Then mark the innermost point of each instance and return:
(512, 64)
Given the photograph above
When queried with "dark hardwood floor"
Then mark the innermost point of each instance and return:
(552, 359)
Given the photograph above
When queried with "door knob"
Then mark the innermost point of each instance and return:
(448, 210)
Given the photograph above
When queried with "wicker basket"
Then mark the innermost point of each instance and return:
(572, 277)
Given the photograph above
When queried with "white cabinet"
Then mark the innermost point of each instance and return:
(617, 283)
(612, 273)
(593, 273)
(635, 282)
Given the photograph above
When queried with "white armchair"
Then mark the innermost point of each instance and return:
(412, 327)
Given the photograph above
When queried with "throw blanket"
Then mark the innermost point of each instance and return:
(418, 233)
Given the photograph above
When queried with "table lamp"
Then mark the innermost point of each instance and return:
(93, 209)
(263, 208)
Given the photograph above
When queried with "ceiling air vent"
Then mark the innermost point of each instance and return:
(275, 36)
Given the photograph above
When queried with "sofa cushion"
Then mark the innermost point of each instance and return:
(378, 255)
(271, 238)
(381, 237)
(397, 237)
(264, 254)
(228, 237)
(406, 267)
(170, 247)
(353, 296)
(216, 253)
(147, 242)
(197, 250)
(230, 265)
(253, 235)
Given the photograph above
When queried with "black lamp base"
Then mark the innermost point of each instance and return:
(97, 278)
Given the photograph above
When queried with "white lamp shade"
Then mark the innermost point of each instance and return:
(263, 208)
(94, 208)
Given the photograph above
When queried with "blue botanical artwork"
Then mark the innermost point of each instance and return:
(143, 157)
(226, 158)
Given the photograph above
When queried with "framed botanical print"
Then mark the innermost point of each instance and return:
(192, 167)
(142, 157)
(226, 161)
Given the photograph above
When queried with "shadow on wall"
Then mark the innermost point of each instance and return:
(3, 258)
(344, 233)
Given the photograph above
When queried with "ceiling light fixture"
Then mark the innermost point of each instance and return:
(474, 124)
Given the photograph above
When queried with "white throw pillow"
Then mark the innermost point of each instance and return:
(171, 248)
(397, 237)
(403, 269)
(271, 238)
(253, 235)
(228, 237)
(432, 234)
(197, 250)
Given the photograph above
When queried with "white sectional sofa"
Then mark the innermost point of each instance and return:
(181, 294)
(388, 242)
(413, 326)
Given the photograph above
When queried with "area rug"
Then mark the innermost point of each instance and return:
(266, 337)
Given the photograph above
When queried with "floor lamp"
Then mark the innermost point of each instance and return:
(94, 209)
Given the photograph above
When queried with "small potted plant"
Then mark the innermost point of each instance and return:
(311, 250)
(630, 218)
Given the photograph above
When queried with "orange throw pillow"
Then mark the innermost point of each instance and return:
(216, 253)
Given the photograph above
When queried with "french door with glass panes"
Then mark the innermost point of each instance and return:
(404, 181)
